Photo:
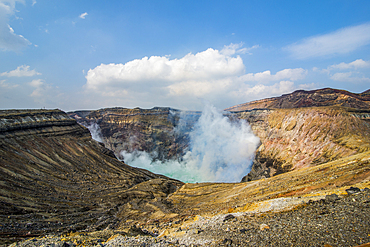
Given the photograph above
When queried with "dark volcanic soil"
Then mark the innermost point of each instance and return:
(342, 222)
(333, 221)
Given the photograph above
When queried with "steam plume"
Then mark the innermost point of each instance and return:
(220, 150)
(95, 132)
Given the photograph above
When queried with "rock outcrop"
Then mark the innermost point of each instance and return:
(297, 130)
(160, 131)
(306, 128)
(55, 178)
(303, 137)
(302, 98)
(16, 123)
(301, 129)
(325, 204)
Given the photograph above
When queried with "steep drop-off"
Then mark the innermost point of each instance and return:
(306, 128)
(301, 129)
(161, 131)
(302, 137)
(55, 178)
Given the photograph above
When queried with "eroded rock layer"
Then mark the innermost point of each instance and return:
(302, 98)
(302, 137)
(297, 130)
(160, 131)
(55, 178)
(306, 128)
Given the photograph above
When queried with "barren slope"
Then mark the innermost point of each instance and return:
(54, 177)
(306, 128)
(302, 98)
(278, 211)
(302, 137)
(150, 130)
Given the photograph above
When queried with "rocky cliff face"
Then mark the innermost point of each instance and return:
(297, 130)
(302, 98)
(161, 131)
(302, 137)
(16, 123)
(54, 177)
(306, 128)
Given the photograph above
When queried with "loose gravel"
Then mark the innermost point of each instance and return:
(333, 221)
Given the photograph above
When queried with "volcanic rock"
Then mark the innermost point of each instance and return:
(302, 98)
(54, 177)
(332, 198)
(57, 181)
(353, 190)
(65, 186)
(295, 138)
(297, 130)
(160, 131)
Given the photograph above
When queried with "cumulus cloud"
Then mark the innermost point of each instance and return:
(215, 75)
(83, 15)
(209, 64)
(342, 41)
(42, 90)
(5, 85)
(266, 76)
(349, 77)
(21, 71)
(353, 72)
(259, 91)
(232, 49)
(239, 85)
(9, 40)
(357, 64)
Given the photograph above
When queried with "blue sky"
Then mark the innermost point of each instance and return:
(93, 54)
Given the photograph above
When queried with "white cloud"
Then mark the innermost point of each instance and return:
(33, 2)
(357, 64)
(206, 65)
(217, 76)
(83, 15)
(354, 72)
(261, 90)
(9, 40)
(5, 85)
(45, 94)
(21, 71)
(247, 50)
(348, 77)
(232, 49)
(199, 88)
(308, 86)
(246, 92)
(342, 41)
(37, 83)
(266, 76)
(43, 91)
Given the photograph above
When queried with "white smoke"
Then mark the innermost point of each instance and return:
(95, 132)
(221, 150)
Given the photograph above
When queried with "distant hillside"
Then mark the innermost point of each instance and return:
(314, 98)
